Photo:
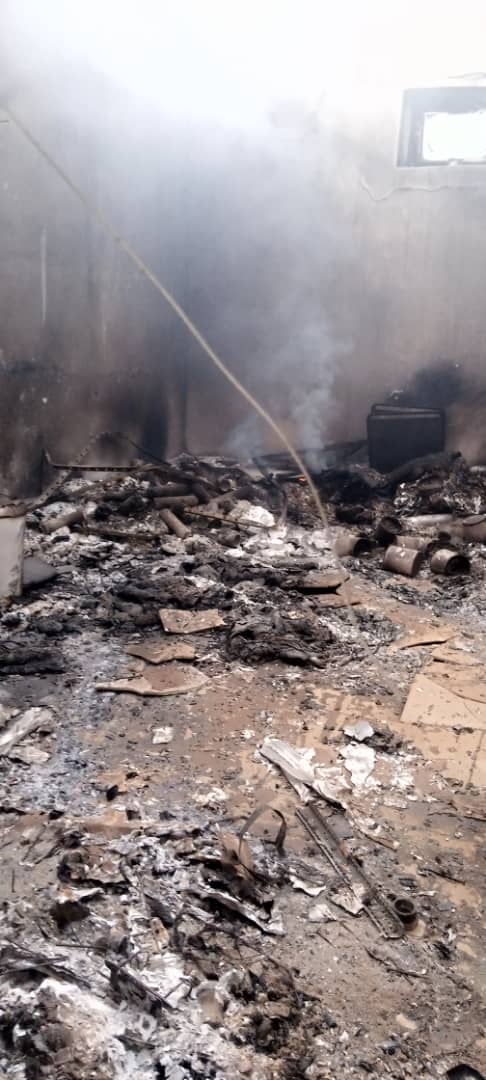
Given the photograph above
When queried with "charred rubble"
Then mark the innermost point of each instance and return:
(237, 555)
(203, 894)
(197, 535)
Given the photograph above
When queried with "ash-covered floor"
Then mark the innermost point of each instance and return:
(153, 924)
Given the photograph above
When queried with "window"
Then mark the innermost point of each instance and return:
(443, 126)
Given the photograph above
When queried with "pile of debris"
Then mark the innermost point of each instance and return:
(151, 954)
(147, 942)
(222, 542)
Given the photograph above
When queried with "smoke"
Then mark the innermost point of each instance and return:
(296, 383)
(311, 395)
(217, 61)
(246, 439)
(196, 127)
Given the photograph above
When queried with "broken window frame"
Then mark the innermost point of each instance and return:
(417, 103)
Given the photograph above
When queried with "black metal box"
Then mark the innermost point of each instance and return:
(397, 434)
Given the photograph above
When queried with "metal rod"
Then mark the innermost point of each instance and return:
(358, 869)
(339, 870)
(322, 846)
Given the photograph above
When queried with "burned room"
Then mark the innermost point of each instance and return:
(242, 540)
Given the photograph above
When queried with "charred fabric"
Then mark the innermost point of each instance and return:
(232, 554)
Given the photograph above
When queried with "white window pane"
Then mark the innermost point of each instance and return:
(454, 136)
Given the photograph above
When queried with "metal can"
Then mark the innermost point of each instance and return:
(403, 560)
(449, 561)
(347, 543)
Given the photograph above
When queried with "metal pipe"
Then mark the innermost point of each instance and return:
(176, 502)
(175, 524)
(356, 866)
(424, 521)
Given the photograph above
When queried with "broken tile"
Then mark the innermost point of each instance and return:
(343, 710)
(305, 886)
(321, 581)
(350, 897)
(112, 822)
(321, 912)
(337, 599)
(125, 778)
(161, 652)
(467, 682)
(297, 765)
(159, 682)
(453, 754)
(190, 622)
(452, 652)
(430, 703)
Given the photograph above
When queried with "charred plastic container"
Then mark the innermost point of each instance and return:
(396, 434)
(12, 528)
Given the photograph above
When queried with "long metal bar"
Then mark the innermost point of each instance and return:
(353, 861)
(339, 870)
(321, 845)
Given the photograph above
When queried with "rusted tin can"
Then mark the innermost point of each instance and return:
(449, 561)
(406, 911)
(474, 528)
(12, 528)
(403, 560)
(352, 544)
